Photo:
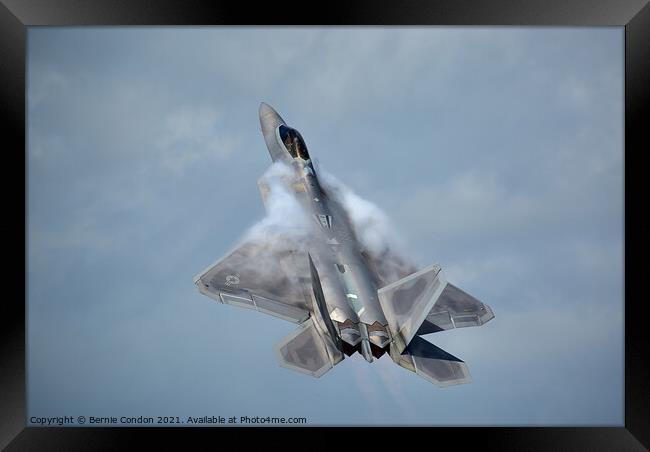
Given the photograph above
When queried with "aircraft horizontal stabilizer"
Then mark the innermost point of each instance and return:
(432, 363)
(308, 350)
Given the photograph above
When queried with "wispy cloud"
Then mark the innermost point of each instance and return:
(194, 134)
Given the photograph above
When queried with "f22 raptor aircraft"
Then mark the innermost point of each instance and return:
(345, 299)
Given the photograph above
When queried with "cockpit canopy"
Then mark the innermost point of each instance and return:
(293, 142)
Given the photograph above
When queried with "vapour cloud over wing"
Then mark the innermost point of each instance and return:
(286, 226)
(280, 237)
(284, 215)
(373, 229)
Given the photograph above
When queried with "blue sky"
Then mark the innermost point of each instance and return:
(495, 152)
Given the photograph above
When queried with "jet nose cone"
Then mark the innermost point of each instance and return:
(269, 118)
(266, 109)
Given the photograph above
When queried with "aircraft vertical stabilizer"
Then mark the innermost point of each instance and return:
(407, 302)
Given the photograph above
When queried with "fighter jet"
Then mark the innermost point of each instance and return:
(345, 299)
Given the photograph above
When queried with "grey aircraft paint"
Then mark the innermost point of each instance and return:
(346, 299)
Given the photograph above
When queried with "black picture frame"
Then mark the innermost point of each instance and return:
(634, 15)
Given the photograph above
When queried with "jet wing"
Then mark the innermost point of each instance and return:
(455, 308)
(270, 276)
(424, 302)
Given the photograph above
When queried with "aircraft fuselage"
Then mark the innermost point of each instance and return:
(349, 285)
